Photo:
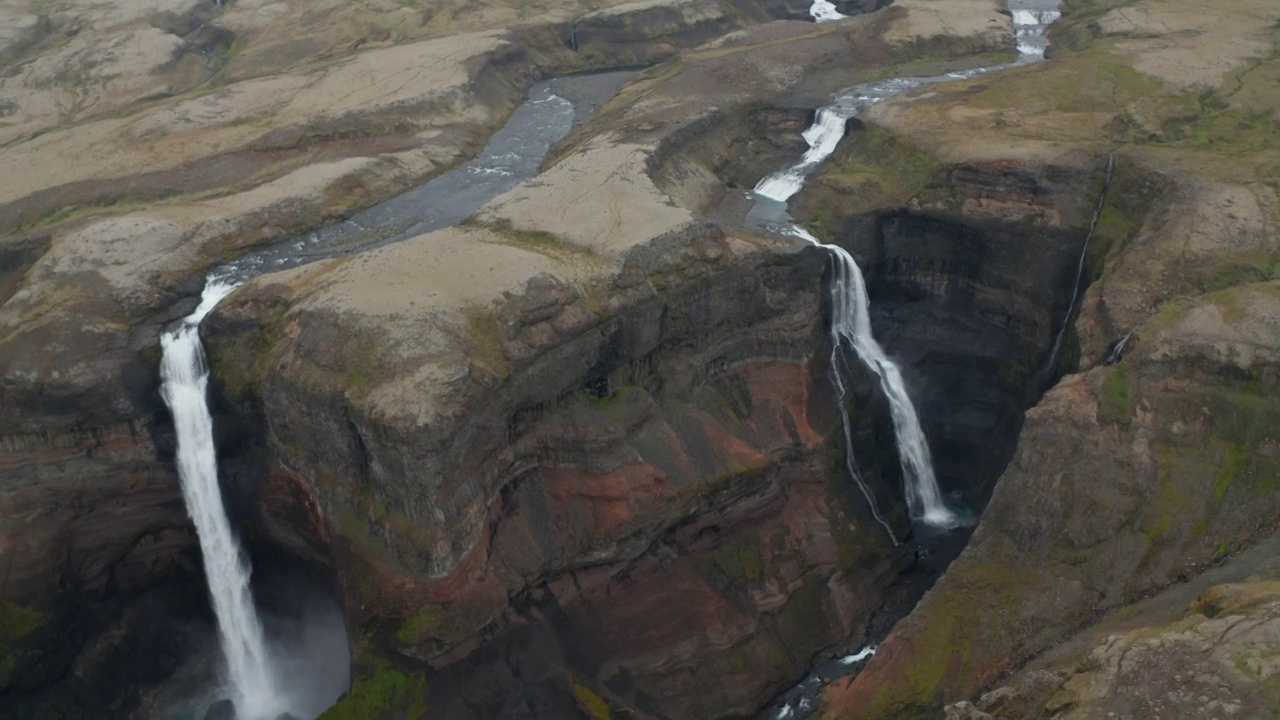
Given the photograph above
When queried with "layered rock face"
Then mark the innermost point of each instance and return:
(970, 284)
(583, 410)
(579, 455)
(250, 122)
(658, 449)
(1155, 460)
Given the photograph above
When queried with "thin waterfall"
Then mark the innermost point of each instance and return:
(1047, 369)
(851, 325)
(184, 375)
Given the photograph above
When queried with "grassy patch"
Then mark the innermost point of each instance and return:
(537, 241)
(871, 170)
(422, 624)
(590, 703)
(484, 337)
(382, 694)
(17, 624)
(1116, 403)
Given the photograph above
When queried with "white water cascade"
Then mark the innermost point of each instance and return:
(184, 376)
(851, 323)
(825, 11)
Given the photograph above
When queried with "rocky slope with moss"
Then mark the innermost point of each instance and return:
(1152, 460)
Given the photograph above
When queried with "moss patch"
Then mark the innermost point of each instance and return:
(590, 703)
(871, 170)
(383, 694)
(17, 624)
(380, 690)
(1116, 403)
(740, 559)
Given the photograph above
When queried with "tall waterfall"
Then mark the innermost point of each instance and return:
(184, 376)
(851, 323)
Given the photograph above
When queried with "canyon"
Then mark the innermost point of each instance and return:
(580, 453)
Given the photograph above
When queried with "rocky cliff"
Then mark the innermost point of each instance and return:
(579, 456)
(1152, 460)
(155, 142)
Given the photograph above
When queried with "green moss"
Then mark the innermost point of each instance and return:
(740, 559)
(589, 702)
(17, 624)
(802, 618)
(384, 694)
(1170, 505)
(538, 241)
(1227, 472)
(239, 363)
(871, 170)
(621, 404)
(422, 624)
(485, 339)
(1116, 404)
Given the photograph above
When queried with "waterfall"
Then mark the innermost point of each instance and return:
(1047, 370)
(184, 375)
(850, 316)
(1117, 352)
(822, 137)
(824, 11)
(851, 324)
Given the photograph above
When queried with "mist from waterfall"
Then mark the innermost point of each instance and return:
(184, 375)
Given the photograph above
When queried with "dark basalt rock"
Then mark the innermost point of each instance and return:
(221, 710)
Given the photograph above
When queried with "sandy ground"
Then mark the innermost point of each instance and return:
(957, 18)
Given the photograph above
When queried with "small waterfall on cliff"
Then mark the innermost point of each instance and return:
(1047, 370)
(851, 323)
(851, 320)
(185, 375)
